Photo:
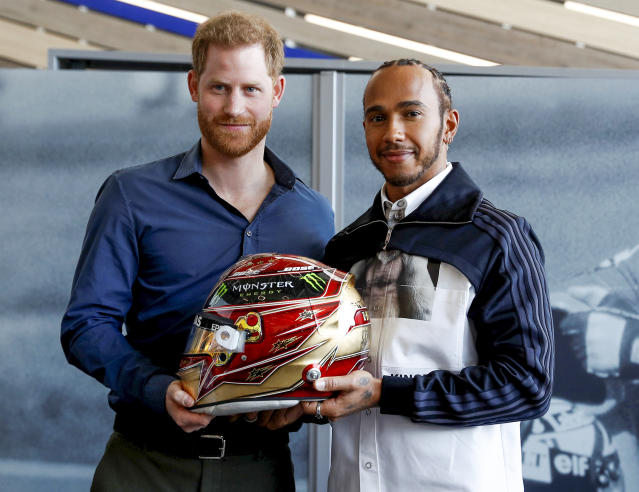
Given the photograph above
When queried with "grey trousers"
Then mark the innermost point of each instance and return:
(126, 466)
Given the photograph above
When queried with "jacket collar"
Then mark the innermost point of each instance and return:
(455, 200)
(192, 163)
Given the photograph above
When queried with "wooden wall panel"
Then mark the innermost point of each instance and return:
(460, 33)
(96, 28)
(4, 63)
(306, 34)
(542, 32)
(28, 46)
(549, 19)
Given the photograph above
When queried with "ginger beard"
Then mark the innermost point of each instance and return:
(232, 143)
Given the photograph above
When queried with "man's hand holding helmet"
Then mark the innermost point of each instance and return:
(275, 419)
(178, 403)
(356, 391)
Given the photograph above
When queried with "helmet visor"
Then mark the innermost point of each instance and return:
(213, 334)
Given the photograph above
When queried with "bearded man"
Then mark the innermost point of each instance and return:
(461, 327)
(158, 239)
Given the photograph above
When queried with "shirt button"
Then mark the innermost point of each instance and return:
(368, 465)
(368, 411)
(249, 233)
(401, 203)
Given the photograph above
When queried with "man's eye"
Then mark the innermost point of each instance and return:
(218, 88)
(413, 114)
(376, 118)
(251, 90)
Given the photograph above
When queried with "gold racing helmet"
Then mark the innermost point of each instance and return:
(272, 325)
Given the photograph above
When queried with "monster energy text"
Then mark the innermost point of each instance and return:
(260, 286)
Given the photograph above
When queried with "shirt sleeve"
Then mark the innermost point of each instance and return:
(514, 340)
(101, 296)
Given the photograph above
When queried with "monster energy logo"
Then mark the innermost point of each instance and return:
(314, 280)
(221, 290)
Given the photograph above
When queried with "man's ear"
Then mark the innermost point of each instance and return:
(451, 124)
(193, 81)
(278, 90)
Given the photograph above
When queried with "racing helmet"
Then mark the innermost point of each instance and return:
(272, 325)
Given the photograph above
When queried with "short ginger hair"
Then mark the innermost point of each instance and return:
(232, 29)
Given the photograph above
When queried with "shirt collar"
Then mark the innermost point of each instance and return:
(192, 163)
(396, 211)
(454, 201)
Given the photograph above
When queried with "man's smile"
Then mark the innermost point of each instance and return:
(396, 155)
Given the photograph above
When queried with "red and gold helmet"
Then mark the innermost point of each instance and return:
(272, 325)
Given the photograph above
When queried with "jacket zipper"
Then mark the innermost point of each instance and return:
(388, 236)
(390, 229)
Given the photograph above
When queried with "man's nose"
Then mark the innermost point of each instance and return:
(234, 105)
(394, 131)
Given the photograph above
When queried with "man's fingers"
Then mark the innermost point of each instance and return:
(183, 398)
(308, 407)
(329, 409)
(190, 422)
(178, 395)
(352, 393)
(277, 420)
(190, 418)
(293, 413)
(264, 417)
(340, 383)
(290, 415)
(284, 416)
(331, 384)
(177, 403)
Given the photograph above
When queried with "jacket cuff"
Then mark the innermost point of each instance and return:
(154, 394)
(397, 395)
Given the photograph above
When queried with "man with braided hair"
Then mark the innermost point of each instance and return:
(461, 326)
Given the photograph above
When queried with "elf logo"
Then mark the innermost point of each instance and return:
(571, 464)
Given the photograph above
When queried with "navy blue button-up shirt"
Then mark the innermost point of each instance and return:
(157, 241)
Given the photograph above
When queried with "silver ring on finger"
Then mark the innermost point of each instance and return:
(250, 421)
(318, 411)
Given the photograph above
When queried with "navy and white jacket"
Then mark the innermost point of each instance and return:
(461, 336)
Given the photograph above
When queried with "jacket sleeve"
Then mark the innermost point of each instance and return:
(514, 340)
(101, 296)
